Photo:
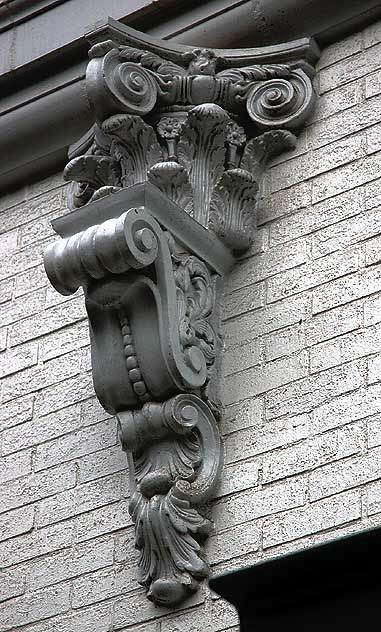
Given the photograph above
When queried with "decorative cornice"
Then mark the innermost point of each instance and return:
(164, 196)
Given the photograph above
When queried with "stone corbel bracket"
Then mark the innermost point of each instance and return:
(164, 194)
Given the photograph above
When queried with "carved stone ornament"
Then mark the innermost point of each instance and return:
(164, 195)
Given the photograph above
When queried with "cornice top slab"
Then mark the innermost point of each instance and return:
(304, 49)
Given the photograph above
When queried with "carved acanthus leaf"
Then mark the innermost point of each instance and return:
(260, 149)
(177, 458)
(95, 170)
(172, 179)
(232, 215)
(134, 146)
(202, 151)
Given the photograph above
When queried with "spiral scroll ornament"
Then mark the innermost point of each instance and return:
(281, 103)
(130, 87)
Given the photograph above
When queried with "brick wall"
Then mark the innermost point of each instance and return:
(302, 425)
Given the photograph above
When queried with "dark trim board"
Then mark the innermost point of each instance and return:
(332, 586)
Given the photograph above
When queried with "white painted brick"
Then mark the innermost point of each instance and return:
(241, 357)
(284, 342)
(248, 326)
(312, 275)
(64, 341)
(312, 453)
(15, 466)
(42, 429)
(311, 392)
(38, 229)
(285, 202)
(324, 514)
(27, 211)
(340, 50)
(69, 392)
(21, 260)
(319, 161)
(345, 178)
(348, 288)
(47, 186)
(346, 232)
(374, 369)
(124, 545)
(86, 620)
(373, 84)
(349, 69)
(92, 412)
(31, 280)
(42, 375)
(374, 431)
(336, 101)
(212, 617)
(36, 543)
(18, 359)
(77, 500)
(374, 497)
(238, 476)
(16, 522)
(373, 139)
(6, 290)
(240, 540)
(347, 122)
(101, 463)
(317, 216)
(103, 520)
(373, 251)
(372, 34)
(22, 307)
(7, 200)
(71, 562)
(242, 415)
(265, 437)
(256, 504)
(36, 486)
(345, 348)
(104, 584)
(349, 407)
(243, 300)
(136, 608)
(8, 242)
(16, 412)
(77, 444)
(261, 379)
(338, 477)
(275, 260)
(372, 193)
(41, 604)
(12, 583)
(52, 319)
(333, 323)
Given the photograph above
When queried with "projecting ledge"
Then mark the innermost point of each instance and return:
(331, 587)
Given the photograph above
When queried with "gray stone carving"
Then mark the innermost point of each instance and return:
(164, 194)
